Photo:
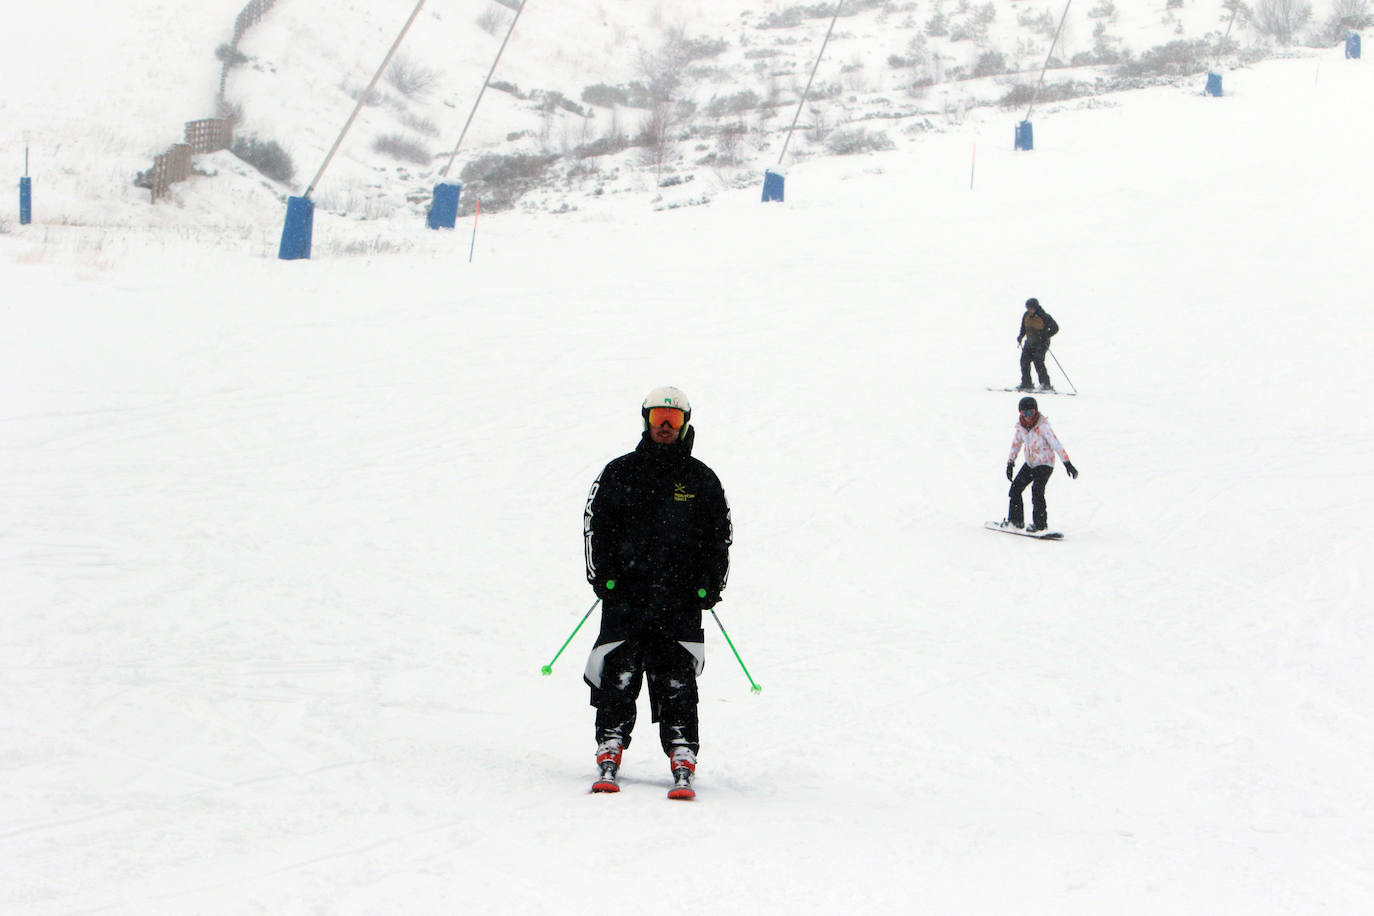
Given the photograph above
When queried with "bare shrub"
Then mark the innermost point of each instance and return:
(603, 147)
(744, 100)
(490, 20)
(420, 124)
(1025, 93)
(605, 96)
(857, 140)
(1177, 58)
(1346, 16)
(990, 63)
(499, 181)
(266, 156)
(410, 78)
(1281, 19)
(1042, 23)
(402, 147)
(730, 143)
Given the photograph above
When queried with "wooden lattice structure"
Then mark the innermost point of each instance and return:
(172, 166)
(208, 134)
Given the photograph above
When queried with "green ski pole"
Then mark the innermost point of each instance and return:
(548, 669)
(753, 688)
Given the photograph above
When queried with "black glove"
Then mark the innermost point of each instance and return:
(707, 598)
(1010, 474)
(1073, 471)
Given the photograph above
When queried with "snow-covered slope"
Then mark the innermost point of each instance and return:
(97, 96)
(283, 545)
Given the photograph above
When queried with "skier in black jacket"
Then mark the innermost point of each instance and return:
(658, 534)
(1037, 327)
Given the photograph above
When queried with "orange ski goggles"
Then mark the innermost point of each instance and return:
(671, 415)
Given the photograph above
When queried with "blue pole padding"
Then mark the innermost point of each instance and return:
(772, 185)
(1213, 84)
(1352, 46)
(300, 226)
(1025, 136)
(443, 212)
(25, 201)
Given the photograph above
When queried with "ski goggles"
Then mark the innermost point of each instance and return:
(671, 415)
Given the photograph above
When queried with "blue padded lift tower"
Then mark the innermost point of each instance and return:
(1352, 46)
(300, 226)
(1025, 136)
(25, 201)
(772, 185)
(1213, 84)
(443, 210)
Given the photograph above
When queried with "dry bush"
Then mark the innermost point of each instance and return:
(1281, 19)
(410, 78)
(402, 147)
(490, 20)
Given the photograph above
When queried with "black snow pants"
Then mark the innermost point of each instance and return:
(1036, 479)
(672, 674)
(1033, 354)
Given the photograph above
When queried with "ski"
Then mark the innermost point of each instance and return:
(1035, 391)
(1011, 529)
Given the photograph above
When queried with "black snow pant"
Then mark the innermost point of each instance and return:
(672, 674)
(1036, 479)
(1034, 355)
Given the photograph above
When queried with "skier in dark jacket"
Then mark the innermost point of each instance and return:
(658, 534)
(1037, 327)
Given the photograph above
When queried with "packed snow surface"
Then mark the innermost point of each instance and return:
(284, 545)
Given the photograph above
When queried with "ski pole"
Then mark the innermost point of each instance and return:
(548, 669)
(1061, 369)
(475, 215)
(753, 688)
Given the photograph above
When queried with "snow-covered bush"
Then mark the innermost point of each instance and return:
(857, 140)
(266, 156)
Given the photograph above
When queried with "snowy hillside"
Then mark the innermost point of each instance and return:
(100, 96)
(284, 545)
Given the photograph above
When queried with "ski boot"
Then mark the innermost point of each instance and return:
(608, 760)
(684, 766)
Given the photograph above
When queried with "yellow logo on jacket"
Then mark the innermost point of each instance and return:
(680, 494)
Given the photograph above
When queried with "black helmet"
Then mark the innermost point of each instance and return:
(1027, 404)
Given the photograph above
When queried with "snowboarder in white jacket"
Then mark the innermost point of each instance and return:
(1033, 431)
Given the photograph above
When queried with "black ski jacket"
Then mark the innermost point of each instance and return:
(1037, 327)
(657, 524)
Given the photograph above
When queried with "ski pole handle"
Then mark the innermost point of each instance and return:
(548, 669)
(753, 688)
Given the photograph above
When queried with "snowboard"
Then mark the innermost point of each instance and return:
(1035, 391)
(1042, 535)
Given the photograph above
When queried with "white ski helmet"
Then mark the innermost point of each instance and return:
(667, 396)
